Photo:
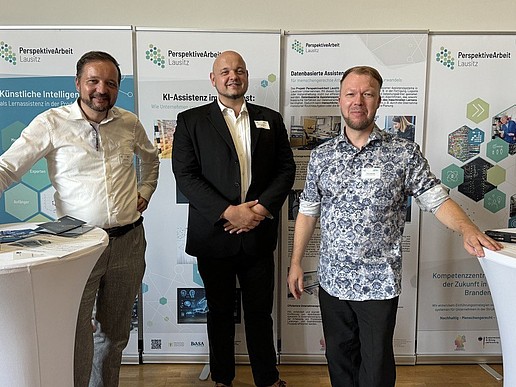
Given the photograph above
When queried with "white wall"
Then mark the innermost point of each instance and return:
(313, 15)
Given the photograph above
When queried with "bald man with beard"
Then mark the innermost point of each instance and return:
(233, 161)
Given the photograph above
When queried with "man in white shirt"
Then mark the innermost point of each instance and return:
(89, 147)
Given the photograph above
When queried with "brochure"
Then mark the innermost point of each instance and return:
(60, 226)
(7, 236)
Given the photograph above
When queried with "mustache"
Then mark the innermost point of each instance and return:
(100, 95)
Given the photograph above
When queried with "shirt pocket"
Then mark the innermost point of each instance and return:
(126, 158)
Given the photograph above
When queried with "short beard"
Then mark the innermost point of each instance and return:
(360, 125)
(92, 106)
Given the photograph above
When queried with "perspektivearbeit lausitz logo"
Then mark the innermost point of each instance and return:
(312, 48)
(445, 57)
(6, 53)
(155, 56)
(298, 47)
(469, 59)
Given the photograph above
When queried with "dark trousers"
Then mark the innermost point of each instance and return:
(358, 336)
(256, 279)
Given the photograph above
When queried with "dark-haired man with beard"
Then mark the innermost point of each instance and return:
(89, 147)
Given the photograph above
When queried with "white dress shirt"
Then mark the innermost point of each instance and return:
(241, 133)
(92, 170)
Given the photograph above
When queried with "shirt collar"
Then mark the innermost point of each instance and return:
(77, 114)
(376, 135)
(224, 108)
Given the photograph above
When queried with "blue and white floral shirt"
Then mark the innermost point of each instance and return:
(361, 196)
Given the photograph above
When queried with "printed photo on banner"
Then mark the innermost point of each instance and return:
(164, 137)
(504, 127)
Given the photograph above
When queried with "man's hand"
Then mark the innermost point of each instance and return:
(260, 210)
(304, 229)
(453, 216)
(141, 204)
(475, 241)
(295, 280)
(241, 218)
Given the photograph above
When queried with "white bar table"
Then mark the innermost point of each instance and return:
(40, 291)
(500, 270)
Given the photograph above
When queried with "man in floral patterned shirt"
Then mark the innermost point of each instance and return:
(358, 184)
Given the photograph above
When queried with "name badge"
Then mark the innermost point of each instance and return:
(262, 124)
(371, 173)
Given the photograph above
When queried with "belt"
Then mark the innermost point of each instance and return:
(115, 232)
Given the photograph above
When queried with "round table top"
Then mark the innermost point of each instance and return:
(505, 257)
(46, 248)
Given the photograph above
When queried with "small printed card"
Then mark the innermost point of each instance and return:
(262, 124)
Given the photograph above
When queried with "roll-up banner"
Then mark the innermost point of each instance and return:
(37, 72)
(471, 145)
(314, 64)
(173, 75)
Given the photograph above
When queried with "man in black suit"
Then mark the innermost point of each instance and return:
(233, 162)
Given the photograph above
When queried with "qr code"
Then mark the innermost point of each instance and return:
(155, 343)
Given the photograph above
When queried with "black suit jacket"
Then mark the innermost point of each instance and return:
(207, 172)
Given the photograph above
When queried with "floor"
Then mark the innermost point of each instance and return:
(187, 375)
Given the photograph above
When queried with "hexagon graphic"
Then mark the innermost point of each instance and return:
(47, 203)
(494, 200)
(37, 176)
(452, 176)
(476, 136)
(21, 202)
(496, 175)
(497, 149)
(264, 83)
(475, 184)
(39, 218)
(477, 110)
(11, 133)
(271, 78)
(163, 300)
(145, 287)
(463, 143)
